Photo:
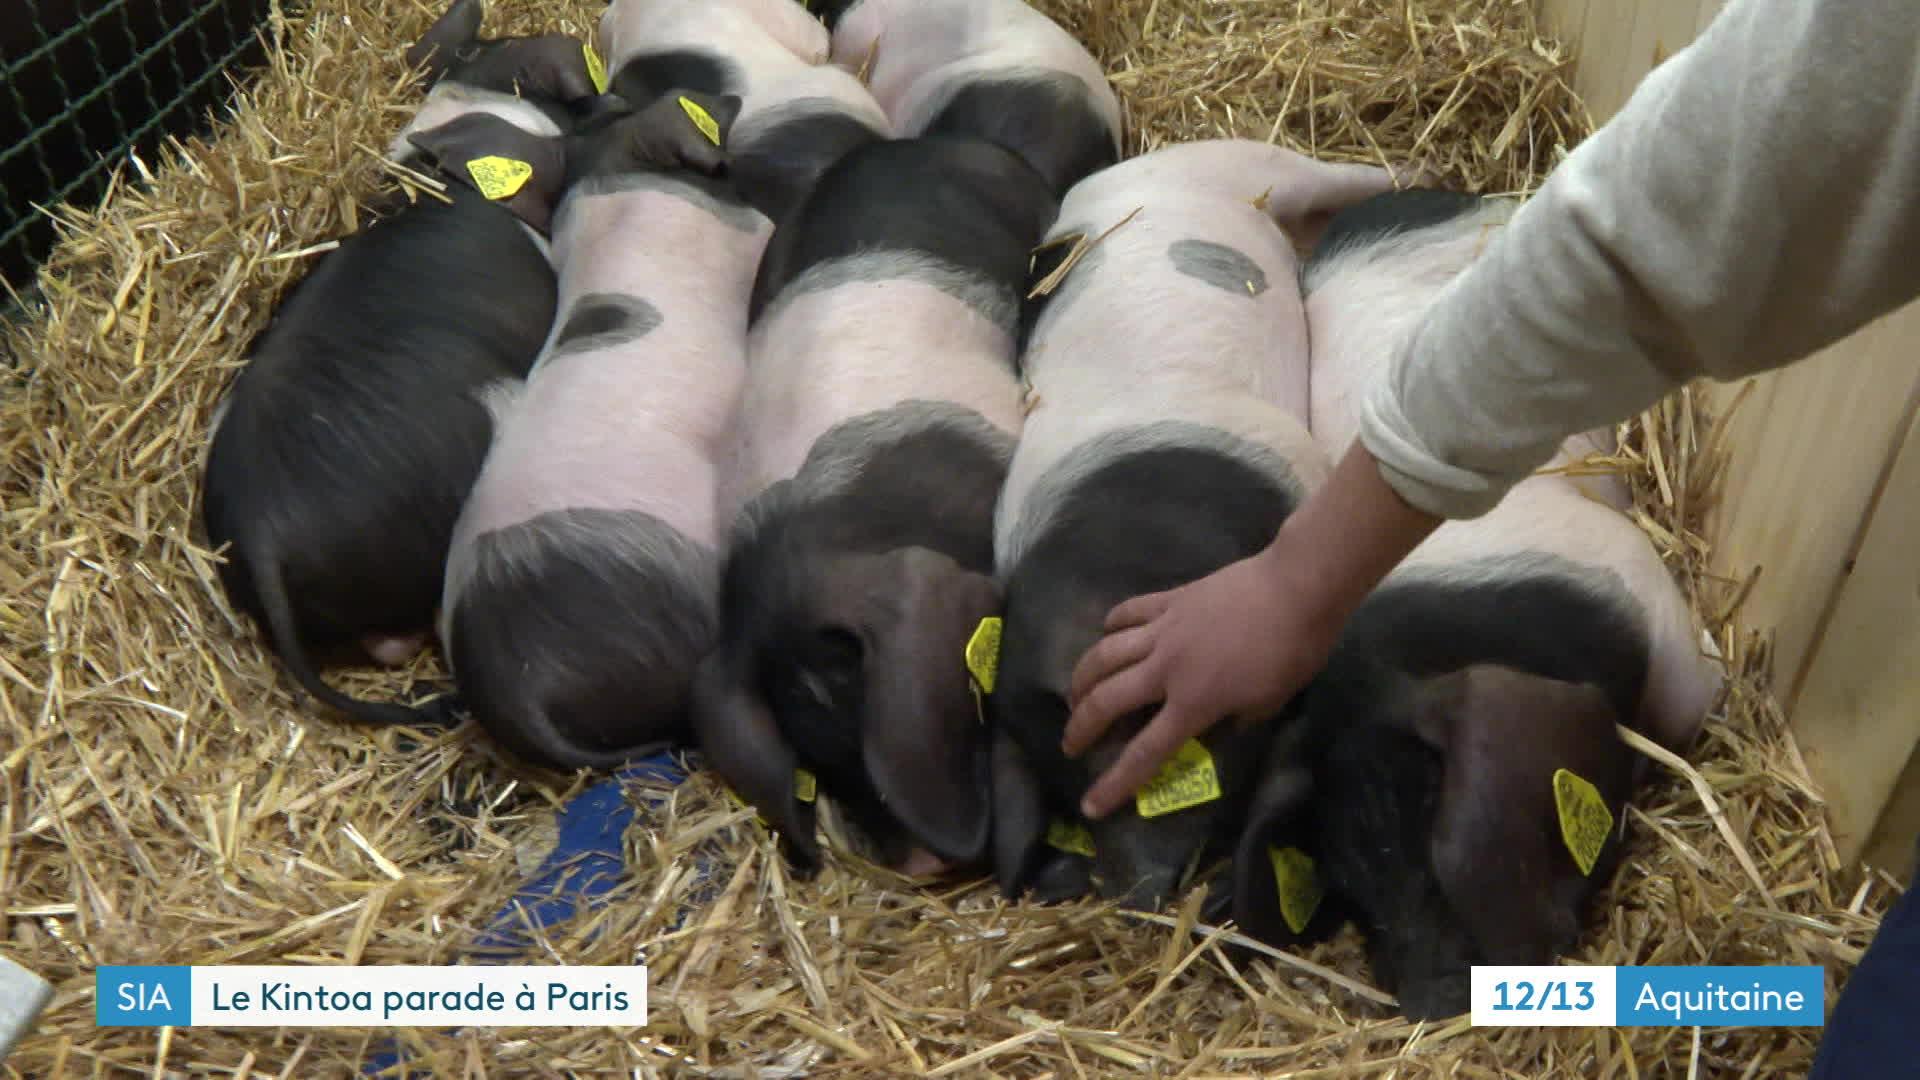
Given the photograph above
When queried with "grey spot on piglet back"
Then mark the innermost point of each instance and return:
(602, 320)
(994, 303)
(1219, 265)
(713, 196)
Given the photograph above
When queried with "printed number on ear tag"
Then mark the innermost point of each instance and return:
(1585, 820)
(805, 787)
(596, 69)
(1186, 780)
(1071, 838)
(1297, 885)
(499, 177)
(983, 652)
(702, 119)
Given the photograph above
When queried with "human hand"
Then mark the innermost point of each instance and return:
(1237, 643)
(1243, 640)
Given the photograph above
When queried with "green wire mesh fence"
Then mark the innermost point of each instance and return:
(84, 83)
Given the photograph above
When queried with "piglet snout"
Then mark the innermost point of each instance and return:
(921, 863)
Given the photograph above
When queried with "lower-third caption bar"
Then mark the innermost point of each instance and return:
(1649, 996)
(479, 996)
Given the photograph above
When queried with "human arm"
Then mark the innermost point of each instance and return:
(1757, 199)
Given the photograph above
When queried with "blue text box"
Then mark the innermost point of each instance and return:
(1759, 996)
(136, 996)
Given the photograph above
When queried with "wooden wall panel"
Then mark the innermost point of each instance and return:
(1857, 714)
(1892, 846)
(1812, 446)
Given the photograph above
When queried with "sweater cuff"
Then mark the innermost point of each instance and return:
(1428, 483)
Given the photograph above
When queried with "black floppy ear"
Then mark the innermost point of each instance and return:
(1498, 845)
(1019, 817)
(518, 169)
(737, 733)
(683, 130)
(450, 35)
(550, 67)
(1026, 860)
(1276, 892)
(691, 129)
(922, 737)
(556, 66)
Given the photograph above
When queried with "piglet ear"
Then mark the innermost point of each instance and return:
(922, 738)
(559, 68)
(1019, 816)
(516, 168)
(440, 47)
(1497, 847)
(737, 733)
(1282, 797)
(688, 129)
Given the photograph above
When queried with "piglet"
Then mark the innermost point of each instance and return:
(1478, 690)
(997, 69)
(581, 586)
(467, 73)
(798, 113)
(1167, 438)
(341, 455)
(879, 414)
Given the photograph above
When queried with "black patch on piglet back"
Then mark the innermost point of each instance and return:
(1047, 117)
(576, 634)
(1540, 615)
(356, 430)
(781, 159)
(650, 76)
(1141, 521)
(963, 202)
(1388, 213)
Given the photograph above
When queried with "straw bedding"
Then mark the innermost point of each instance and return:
(164, 799)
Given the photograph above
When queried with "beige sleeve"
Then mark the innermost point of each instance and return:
(1756, 199)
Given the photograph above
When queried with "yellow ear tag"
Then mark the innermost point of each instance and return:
(1186, 780)
(1070, 838)
(702, 119)
(1298, 886)
(805, 787)
(596, 69)
(1585, 820)
(983, 652)
(498, 177)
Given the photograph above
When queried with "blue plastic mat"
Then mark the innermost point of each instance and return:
(586, 863)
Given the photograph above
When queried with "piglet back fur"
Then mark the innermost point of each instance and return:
(345, 449)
